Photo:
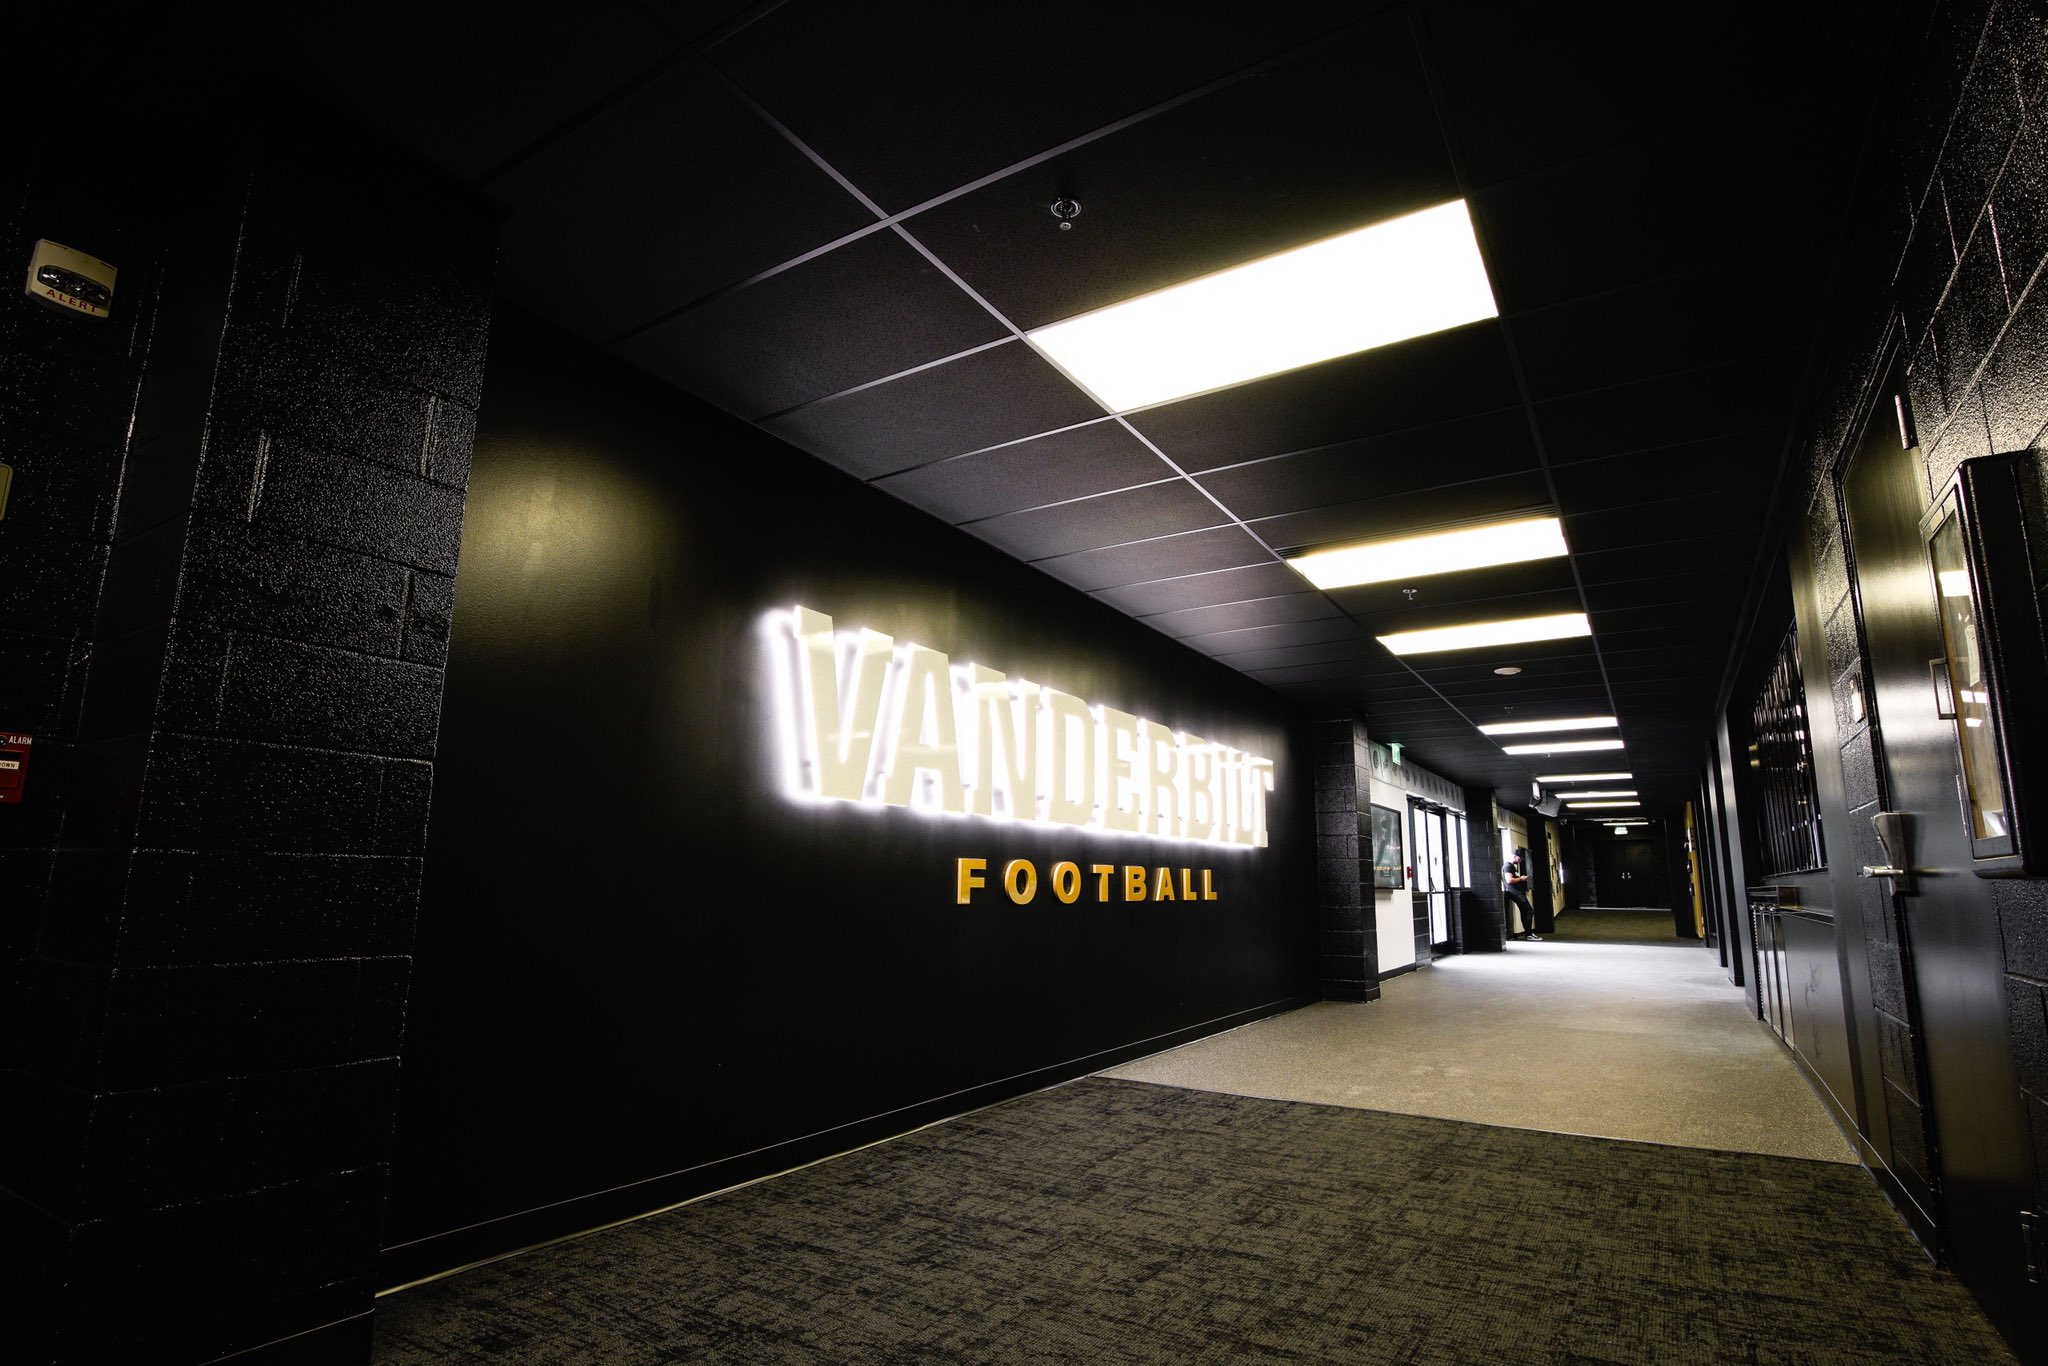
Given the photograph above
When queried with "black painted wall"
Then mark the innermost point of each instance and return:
(643, 972)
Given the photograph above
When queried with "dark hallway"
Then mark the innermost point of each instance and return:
(756, 680)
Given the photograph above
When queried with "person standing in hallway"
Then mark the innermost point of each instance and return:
(1514, 881)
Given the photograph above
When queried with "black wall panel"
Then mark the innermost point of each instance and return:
(639, 961)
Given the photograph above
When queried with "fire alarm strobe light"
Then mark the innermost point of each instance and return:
(64, 278)
(14, 751)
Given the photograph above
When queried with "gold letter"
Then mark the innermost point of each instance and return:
(1134, 882)
(1162, 884)
(1066, 882)
(1020, 870)
(1187, 886)
(970, 877)
(1208, 892)
(1103, 872)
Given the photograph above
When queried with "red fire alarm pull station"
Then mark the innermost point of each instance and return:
(14, 748)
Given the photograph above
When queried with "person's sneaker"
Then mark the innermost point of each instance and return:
(1533, 938)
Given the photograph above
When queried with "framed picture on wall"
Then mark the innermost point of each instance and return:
(1389, 869)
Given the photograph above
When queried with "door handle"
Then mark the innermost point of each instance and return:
(1869, 871)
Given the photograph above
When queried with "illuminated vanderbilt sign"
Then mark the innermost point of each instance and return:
(868, 719)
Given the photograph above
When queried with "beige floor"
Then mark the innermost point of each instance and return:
(1616, 1040)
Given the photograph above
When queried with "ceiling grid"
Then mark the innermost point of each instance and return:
(835, 222)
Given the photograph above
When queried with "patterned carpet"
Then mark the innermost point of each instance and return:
(1112, 1222)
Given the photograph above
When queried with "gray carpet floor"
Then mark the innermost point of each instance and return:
(1112, 1221)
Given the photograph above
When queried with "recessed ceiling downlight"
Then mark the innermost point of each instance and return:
(1372, 286)
(1437, 552)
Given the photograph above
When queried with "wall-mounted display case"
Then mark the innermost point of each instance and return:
(1993, 670)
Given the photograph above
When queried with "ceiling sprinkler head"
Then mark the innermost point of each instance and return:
(1066, 210)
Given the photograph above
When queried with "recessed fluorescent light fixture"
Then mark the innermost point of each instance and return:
(1439, 552)
(1474, 635)
(1540, 727)
(1603, 792)
(1561, 747)
(1588, 806)
(1584, 777)
(1385, 283)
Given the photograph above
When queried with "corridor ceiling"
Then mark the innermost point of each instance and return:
(833, 220)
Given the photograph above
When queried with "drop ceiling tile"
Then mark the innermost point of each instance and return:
(675, 191)
(1716, 621)
(1438, 378)
(1656, 207)
(981, 400)
(700, 19)
(1213, 183)
(1424, 615)
(1676, 635)
(1097, 458)
(1747, 461)
(1358, 658)
(1672, 410)
(1501, 60)
(1588, 699)
(1263, 580)
(1710, 554)
(1377, 467)
(1577, 653)
(1105, 520)
(1231, 616)
(1502, 582)
(1332, 678)
(1653, 525)
(1534, 674)
(1166, 558)
(1226, 643)
(520, 75)
(1408, 514)
(862, 311)
(1680, 323)
(917, 99)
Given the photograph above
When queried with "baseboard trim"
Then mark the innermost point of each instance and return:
(443, 1254)
(345, 1342)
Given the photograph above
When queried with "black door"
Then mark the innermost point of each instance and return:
(1954, 958)
(1628, 873)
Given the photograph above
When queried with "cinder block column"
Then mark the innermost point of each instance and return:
(204, 1076)
(1488, 931)
(1350, 963)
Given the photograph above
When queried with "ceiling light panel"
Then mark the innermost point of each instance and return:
(1478, 634)
(1604, 792)
(1561, 747)
(1584, 777)
(1441, 552)
(1542, 727)
(1588, 806)
(1402, 278)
